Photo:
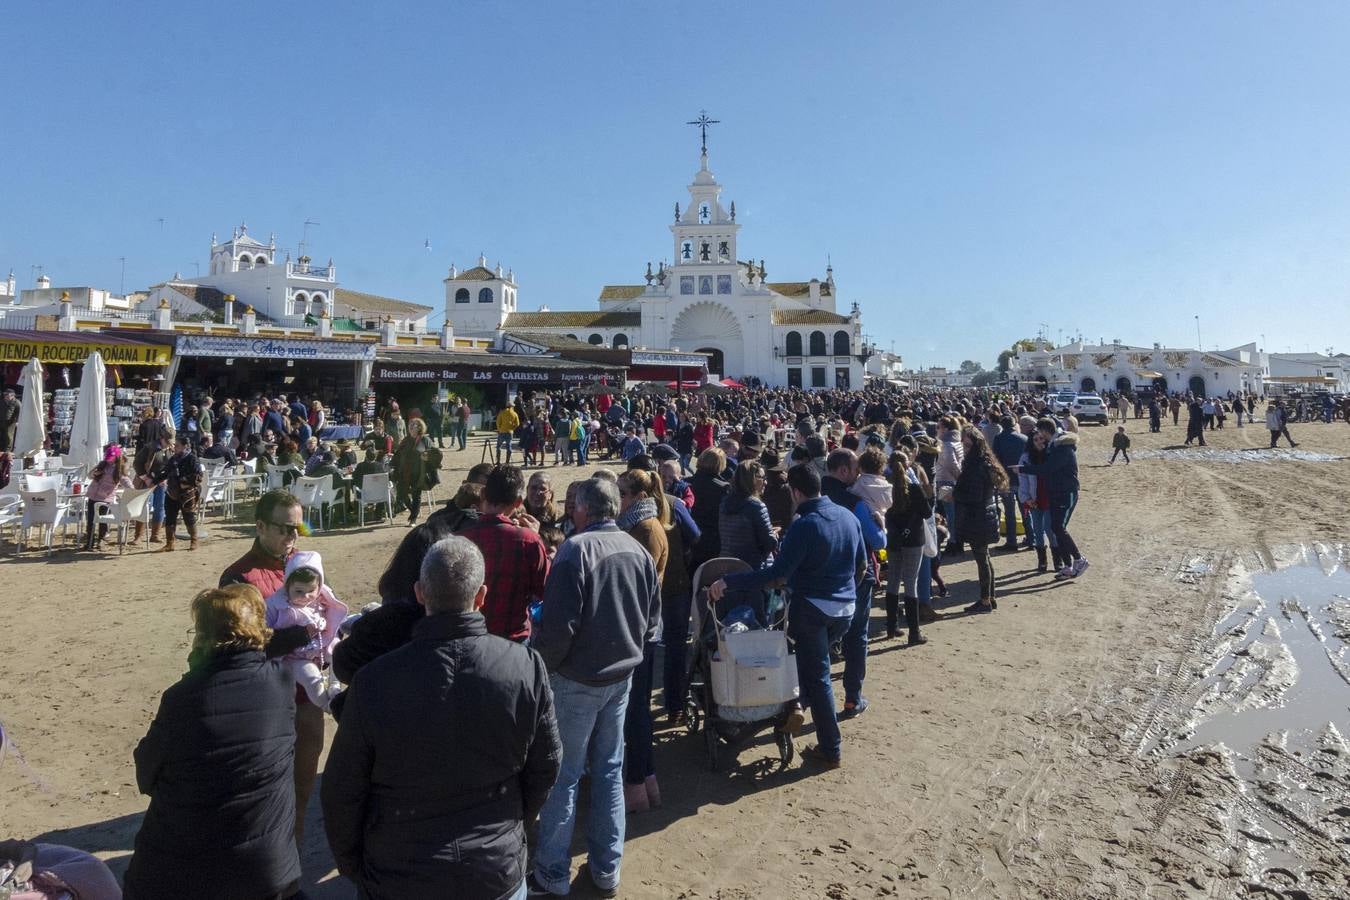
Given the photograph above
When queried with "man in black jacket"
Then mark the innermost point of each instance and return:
(446, 748)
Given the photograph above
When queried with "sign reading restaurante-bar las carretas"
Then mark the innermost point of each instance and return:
(258, 346)
(401, 371)
(75, 349)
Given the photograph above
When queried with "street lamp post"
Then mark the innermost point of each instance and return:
(1198, 344)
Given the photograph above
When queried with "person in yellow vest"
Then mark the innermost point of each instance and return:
(507, 423)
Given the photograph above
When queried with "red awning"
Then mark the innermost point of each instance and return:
(684, 384)
(731, 383)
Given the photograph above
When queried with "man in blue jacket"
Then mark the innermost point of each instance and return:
(1008, 447)
(821, 558)
(842, 468)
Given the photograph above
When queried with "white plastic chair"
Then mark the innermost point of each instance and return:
(42, 509)
(38, 483)
(276, 477)
(374, 490)
(308, 491)
(329, 497)
(11, 507)
(131, 506)
(217, 491)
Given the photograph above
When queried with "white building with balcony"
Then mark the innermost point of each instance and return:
(708, 301)
(1309, 372)
(1121, 367)
(292, 292)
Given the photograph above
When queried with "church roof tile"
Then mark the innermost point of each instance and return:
(797, 288)
(353, 303)
(527, 320)
(807, 317)
(477, 273)
(621, 291)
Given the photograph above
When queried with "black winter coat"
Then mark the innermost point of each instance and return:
(709, 492)
(447, 747)
(973, 493)
(905, 529)
(373, 635)
(217, 764)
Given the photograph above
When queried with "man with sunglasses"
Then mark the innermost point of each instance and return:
(279, 519)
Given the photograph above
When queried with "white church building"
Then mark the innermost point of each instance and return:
(709, 301)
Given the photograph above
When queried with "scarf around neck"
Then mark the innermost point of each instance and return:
(640, 511)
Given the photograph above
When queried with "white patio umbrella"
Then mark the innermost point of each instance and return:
(89, 430)
(32, 427)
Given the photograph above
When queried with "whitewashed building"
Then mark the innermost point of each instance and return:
(709, 301)
(1121, 367)
(292, 292)
(1309, 371)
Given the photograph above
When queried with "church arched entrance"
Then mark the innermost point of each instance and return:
(1197, 385)
(1087, 385)
(1124, 385)
(717, 361)
(714, 329)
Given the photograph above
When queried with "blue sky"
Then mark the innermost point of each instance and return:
(973, 169)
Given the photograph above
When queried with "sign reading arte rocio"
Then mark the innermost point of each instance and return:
(69, 352)
(471, 374)
(256, 346)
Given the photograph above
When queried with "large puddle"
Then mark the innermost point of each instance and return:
(1272, 711)
(1227, 455)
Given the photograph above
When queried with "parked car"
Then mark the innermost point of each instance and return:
(1062, 400)
(1088, 408)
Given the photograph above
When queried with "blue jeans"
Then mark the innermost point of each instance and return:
(812, 632)
(157, 505)
(583, 444)
(1040, 528)
(926, 581)
(674, 637)
(504, 442)
(948, 508)
(638, 760)
(684, 465)
(855, 640)
(590, 724)
(1010, 506)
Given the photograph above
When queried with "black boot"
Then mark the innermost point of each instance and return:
(912, 620)
(1058, 559)
(1040, 560)
(892, 616)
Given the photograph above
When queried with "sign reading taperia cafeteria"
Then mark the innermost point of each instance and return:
(74, 352)
(470, 374)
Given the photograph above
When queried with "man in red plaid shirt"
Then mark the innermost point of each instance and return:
(515, 558)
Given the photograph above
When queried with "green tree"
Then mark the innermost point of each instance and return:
(970, 367)
(985, 379)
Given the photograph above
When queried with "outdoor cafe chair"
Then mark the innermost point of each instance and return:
(309, 492)
(43, 510)
(374, 490)
(131, 506)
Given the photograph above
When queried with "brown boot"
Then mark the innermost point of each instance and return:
(138, 532)
(154, 532)
(192, 533)
(168, 541)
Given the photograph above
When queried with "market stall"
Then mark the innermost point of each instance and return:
(251, 365)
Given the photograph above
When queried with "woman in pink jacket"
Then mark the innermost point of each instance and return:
(108, 477)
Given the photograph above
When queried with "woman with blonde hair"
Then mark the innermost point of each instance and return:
(217, 765)
(643, 515)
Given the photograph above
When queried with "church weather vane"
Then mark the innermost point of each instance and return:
(703, 122)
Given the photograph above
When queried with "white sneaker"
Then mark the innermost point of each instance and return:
(1066, 572)
(1079, 567)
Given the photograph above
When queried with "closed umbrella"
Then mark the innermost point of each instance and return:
(31, 432)
(176, 406)
(89, 431)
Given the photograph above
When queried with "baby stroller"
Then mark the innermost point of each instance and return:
(740, 681)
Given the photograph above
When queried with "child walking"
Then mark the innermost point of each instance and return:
(306, 600)
(1121, 442)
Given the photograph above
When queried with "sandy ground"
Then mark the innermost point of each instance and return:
(1028, 753)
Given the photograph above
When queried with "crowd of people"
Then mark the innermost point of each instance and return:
(513, 653)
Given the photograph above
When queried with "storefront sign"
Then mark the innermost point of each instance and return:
(648, 358)
(71, 353)
(475, 375)
(272, 348)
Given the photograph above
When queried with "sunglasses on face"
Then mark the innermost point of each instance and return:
(286, 527)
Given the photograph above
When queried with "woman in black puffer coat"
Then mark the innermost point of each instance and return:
(217, 764)
(980, 479)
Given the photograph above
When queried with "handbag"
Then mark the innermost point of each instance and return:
(993, 522)
(930, 545)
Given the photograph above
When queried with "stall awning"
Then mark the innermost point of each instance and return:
(1145, 373)
(251, 346)
(73, 347)
(1301, 379)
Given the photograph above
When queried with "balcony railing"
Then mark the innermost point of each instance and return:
(304, 270)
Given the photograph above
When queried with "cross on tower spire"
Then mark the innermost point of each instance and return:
(703, 122)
